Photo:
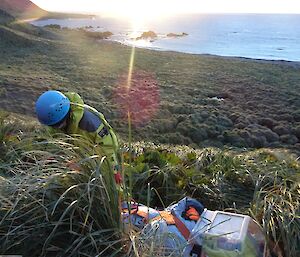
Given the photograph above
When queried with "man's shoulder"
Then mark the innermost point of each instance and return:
(74, 97)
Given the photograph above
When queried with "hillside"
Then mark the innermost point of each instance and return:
(232, 128)
(14, 39)
(22, 8)
(186, 99)
(178, 98)
(25, 9)
(5, 17)
(19, 34)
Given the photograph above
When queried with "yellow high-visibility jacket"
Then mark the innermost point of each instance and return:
(88, 122)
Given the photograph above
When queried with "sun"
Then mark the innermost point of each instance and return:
(139, 13)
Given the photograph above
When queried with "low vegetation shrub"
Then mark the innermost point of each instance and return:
(296, 131)
(98, 35)
(296, 115)
(281, 129)
(53, 26)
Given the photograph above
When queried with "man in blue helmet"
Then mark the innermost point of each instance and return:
(68, 113)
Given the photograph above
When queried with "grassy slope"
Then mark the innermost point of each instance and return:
(260, 105)
(221, 179)
(42, 194)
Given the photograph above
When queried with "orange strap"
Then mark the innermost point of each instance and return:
(166, 216)
(181, 227)
(142, 214)
(170, 219)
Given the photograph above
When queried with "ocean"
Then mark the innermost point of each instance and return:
(258, 36)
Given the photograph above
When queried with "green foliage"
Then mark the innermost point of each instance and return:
(296, 115)
(58, 198)
(61, 188)
(263, 184)
(97, 35)
(276, 205)
(160, 169)
(7, 133)
(233, 138)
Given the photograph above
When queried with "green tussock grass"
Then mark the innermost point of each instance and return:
(51, 207)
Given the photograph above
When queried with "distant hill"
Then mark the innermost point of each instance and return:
(16, 34)
(22, 8)
(20, 34)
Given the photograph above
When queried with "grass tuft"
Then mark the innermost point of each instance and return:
(52, 206)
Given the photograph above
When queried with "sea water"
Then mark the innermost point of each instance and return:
(259, 36)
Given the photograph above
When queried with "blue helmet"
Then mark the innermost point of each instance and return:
(51, 107)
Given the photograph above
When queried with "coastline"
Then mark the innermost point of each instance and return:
(279, 43)
(294, 64)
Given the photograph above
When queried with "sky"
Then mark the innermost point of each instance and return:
(154, 8)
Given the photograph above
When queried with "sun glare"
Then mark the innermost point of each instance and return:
(153, 9)
(159, 8)
(138, 12)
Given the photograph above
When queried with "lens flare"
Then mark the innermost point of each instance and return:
(130, 70)
(138, 99)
